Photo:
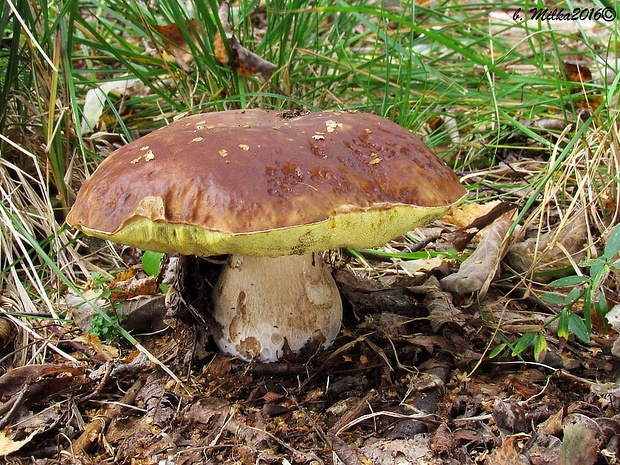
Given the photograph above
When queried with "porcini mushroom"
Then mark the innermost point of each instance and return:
(270, 190)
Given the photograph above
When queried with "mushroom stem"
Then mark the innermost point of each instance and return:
(266, 306)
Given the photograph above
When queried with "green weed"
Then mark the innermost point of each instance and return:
(586, 295)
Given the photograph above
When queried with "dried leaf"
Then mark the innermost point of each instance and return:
(133, 287)
(105, 351)
(578, 71)
(271, 397)
(428, 342)
(479, 269)
(441, 309)
(152, 398)
(8, 445)
(509, 415)
(399, 451)
(544, 450)
(173, 34)
(579, 444)
(479, 216)
(345, 452)
(275, 410)
(422, 264)
(177, 43)
(219, 366)
(244, 62)
(14, 381)
(551, 251)
(553, 424)
(613, 319)
(442, 441)
(7, 332)
(506, 454)
(467, 214)
(96, 100)
(141, 313)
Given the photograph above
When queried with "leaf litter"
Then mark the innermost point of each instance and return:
(409, 379)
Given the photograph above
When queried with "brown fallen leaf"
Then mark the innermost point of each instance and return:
(579, 444)
(506, 454)
(468, 214)
(441, 309)
(479, 269)
(104, 351)
(243, 61)
(7, 332)
(576, 70)
(15, 380)
(613, 320)
(553, 424)
(9, 445)
(28, 384)
(509, 415)
(14, 438)
(133, 287)
(347, 453)
(96, 427)
(151, 397)
(399, 451)
(141, 313)
(428, 342)
(176, 41)
(494, 210)
(240, 58)
(550, 252)
(442, 441)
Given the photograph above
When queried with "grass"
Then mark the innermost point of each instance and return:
(490, 94)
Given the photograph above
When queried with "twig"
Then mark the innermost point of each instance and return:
(557, 372)
(101, 385)
(342, 450)
(13, 404)
(235, 427)
(355, 412)
(337, 445)
(76, 345)
(100, 422)
(40, 338)
(384, 413)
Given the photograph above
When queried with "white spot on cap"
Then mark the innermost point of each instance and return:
(331, 125)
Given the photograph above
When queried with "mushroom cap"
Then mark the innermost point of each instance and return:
(256, 182)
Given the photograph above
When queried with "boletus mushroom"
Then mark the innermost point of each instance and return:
(270, 190)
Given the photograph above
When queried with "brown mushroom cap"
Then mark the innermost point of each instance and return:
(254, 182)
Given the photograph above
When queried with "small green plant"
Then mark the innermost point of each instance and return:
(106, 325)
(106, 328)
(586, 288)
(151, 264)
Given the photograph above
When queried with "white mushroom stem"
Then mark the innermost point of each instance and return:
(267, 304)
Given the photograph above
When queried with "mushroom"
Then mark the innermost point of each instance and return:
(270, 190)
